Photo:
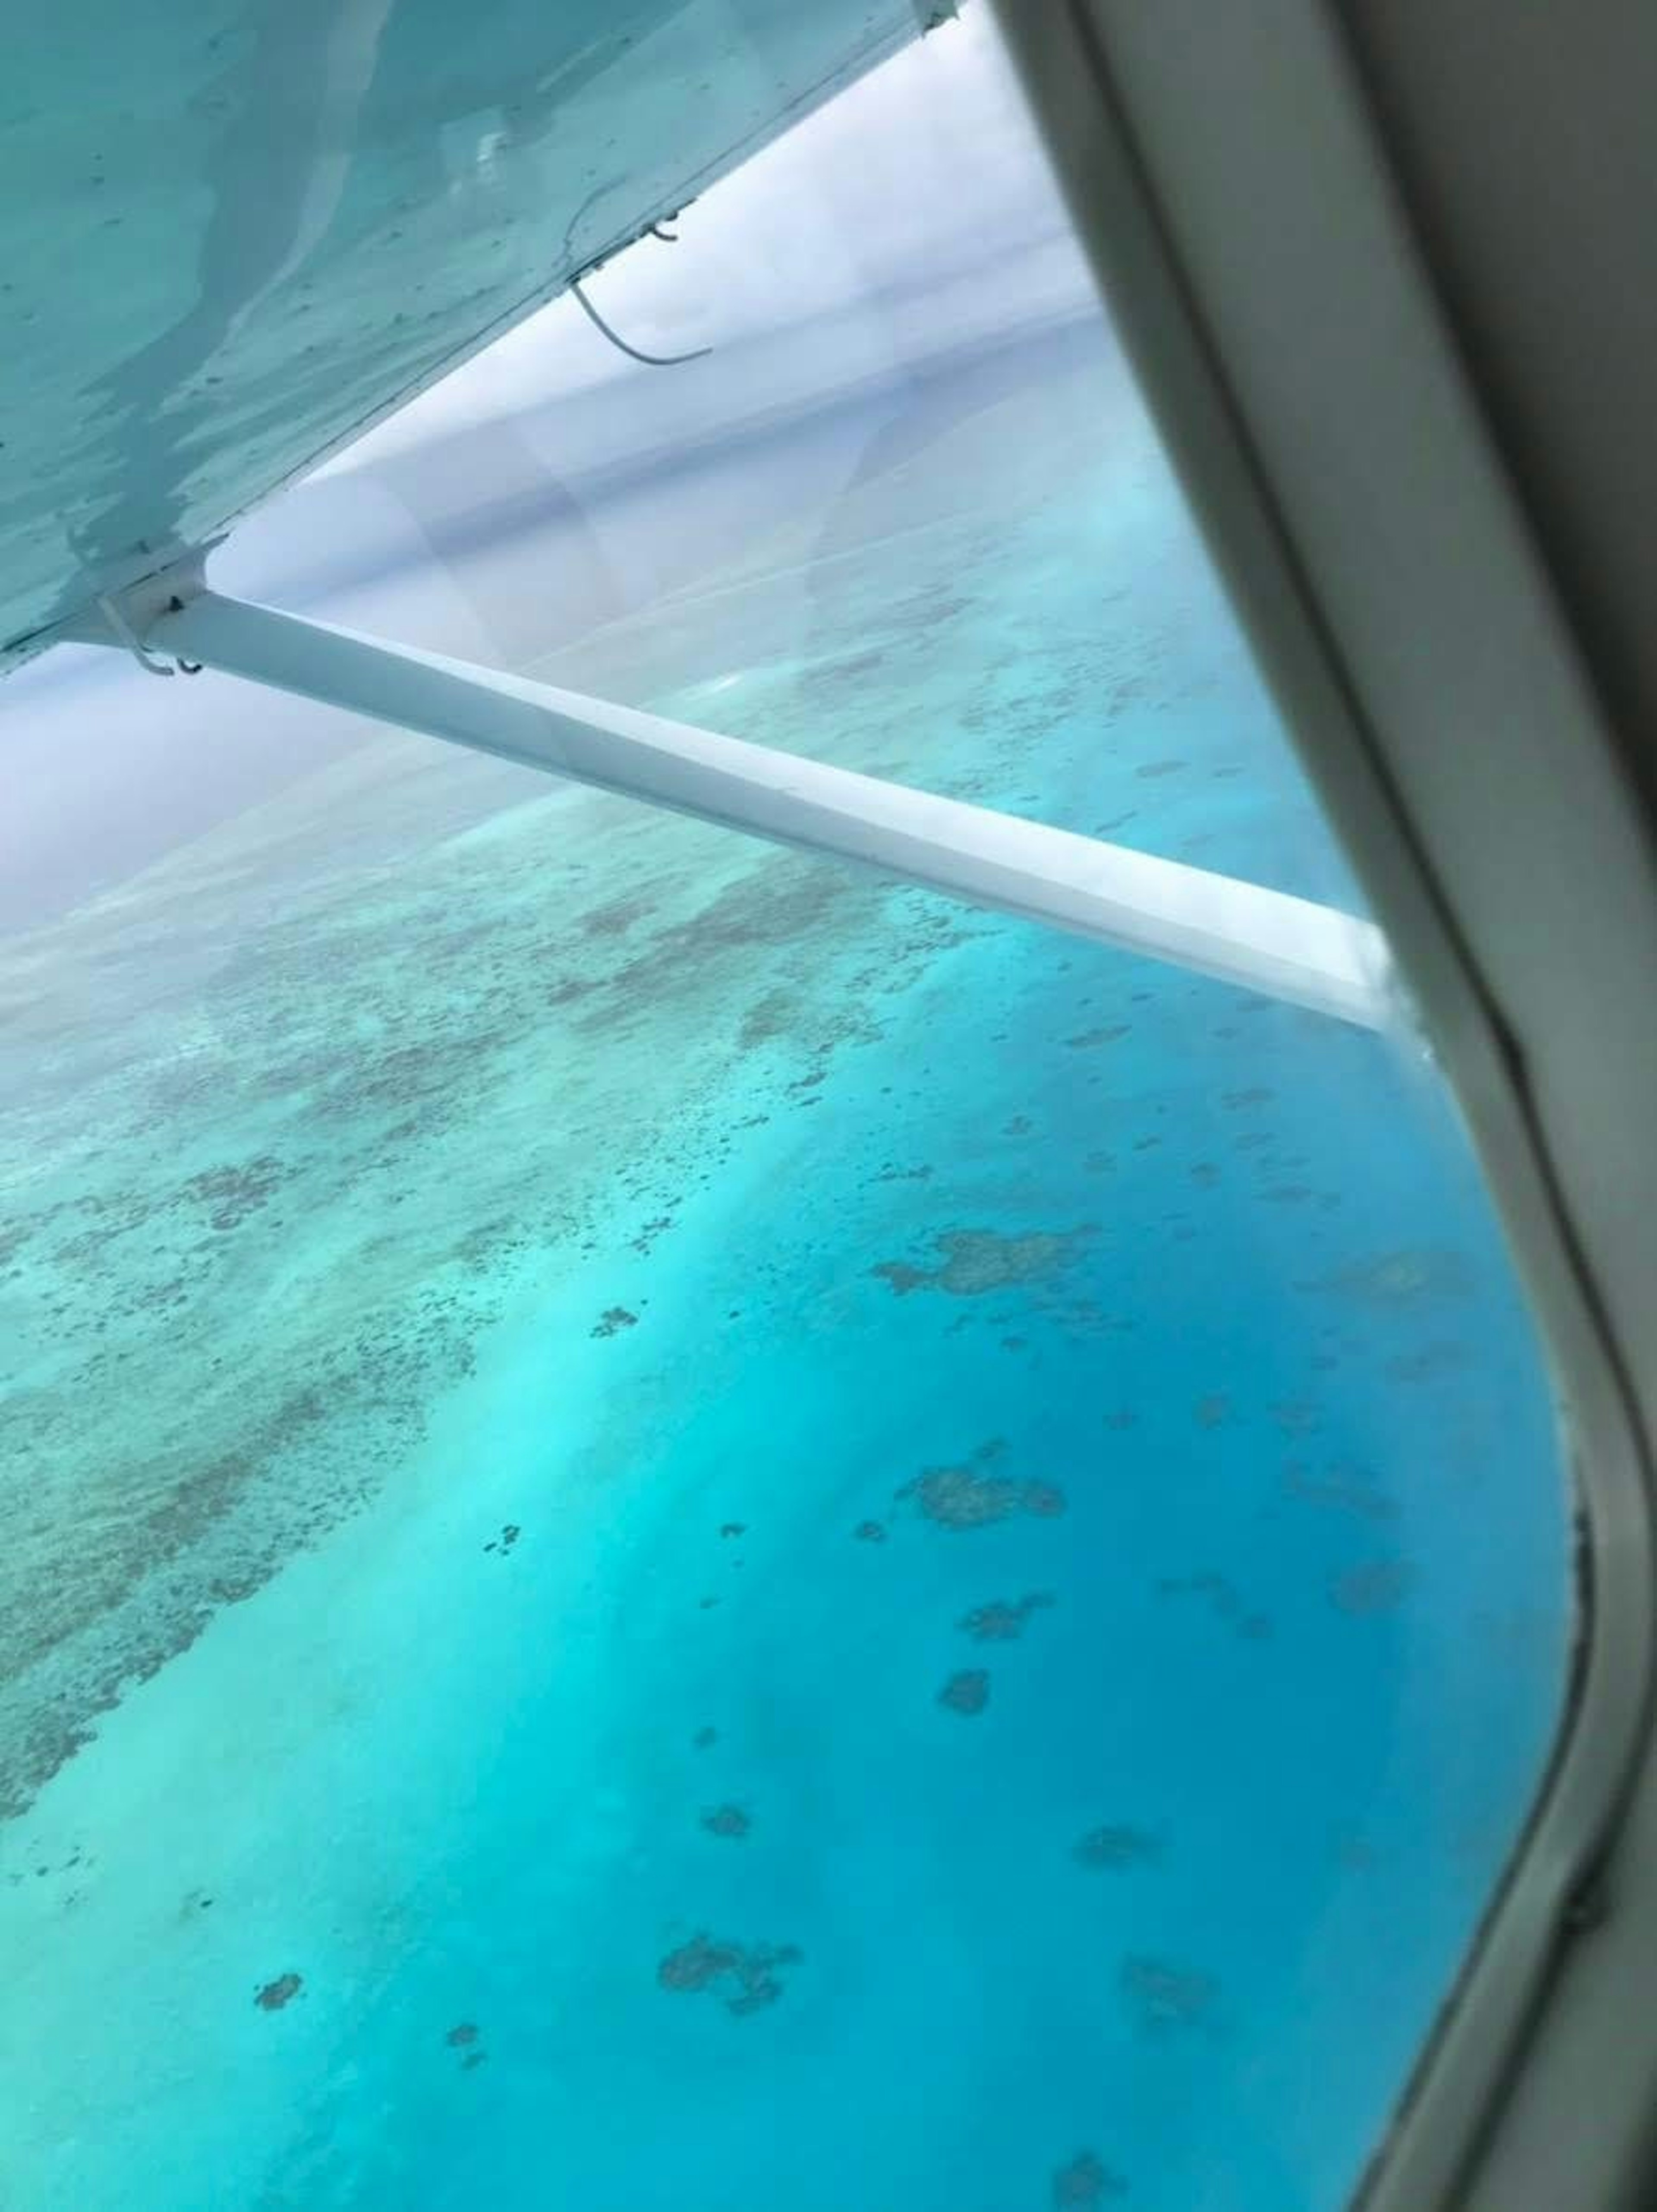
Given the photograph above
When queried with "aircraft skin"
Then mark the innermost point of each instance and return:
(245, 235)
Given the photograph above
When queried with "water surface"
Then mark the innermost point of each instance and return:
(688, 1531)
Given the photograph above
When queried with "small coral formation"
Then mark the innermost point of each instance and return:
(734, 1528)
(976, 1260)
(615, 917)
(1085, 2180)
(743, 1975)
(1002, 1619)
(1116, 1849)
(459, 2038)
(961, 1497)
(231, 1193)
(1237, 1102)
(727, 1821)
(704, 1739)
(964, 1498)
(1398, 1278)
(1429, 1363)
(967, 1692)
(1091, 1040)
(283, 1991)
(613, 1320)
(1378, 1586)
(1348, 1488)
(1224, 1600)
(1165, 1997)
(697, 1964)
(1210, 1411)
(1296, 1417)
(869, 1532)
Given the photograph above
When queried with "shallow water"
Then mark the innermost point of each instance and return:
(714, 1535)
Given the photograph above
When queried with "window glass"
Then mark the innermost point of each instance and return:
(683, 1529)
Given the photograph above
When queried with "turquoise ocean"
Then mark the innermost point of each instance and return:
(687, 1531)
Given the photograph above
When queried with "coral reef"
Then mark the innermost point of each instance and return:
(967, 1692)
(743, 1975)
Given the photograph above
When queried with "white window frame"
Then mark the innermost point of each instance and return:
(1236, 195)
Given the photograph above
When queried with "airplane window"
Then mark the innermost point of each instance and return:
(683, 1528)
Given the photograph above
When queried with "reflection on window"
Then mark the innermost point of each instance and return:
(686, 1529)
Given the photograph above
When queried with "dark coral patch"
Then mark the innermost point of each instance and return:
(1340, 1484)
(1378, 1586)
(963, 1497)
(1397, 1278)
(977, 1260)
(1164, 1998)
(743, 1975)
(697, 1964)
(967, 1692)
(1085, 2180)
(1002, 1619)
(1117, 1849)
(1224, 1600)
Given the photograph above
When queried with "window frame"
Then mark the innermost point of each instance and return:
(1231, 185)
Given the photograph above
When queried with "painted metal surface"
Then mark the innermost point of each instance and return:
(232, 234)
(1285, 947)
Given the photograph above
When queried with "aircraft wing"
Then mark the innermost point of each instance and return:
(235, 235)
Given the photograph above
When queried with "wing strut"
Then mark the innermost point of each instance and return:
(1264, 940)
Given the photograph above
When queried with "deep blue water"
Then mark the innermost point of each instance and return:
(929, 1569)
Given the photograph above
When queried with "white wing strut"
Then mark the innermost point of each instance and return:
(1264, 940)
